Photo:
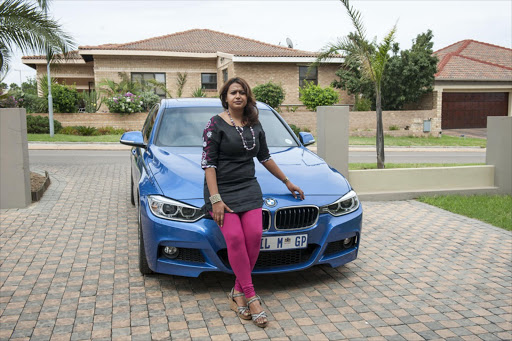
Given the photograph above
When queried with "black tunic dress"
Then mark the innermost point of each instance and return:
(223, 149)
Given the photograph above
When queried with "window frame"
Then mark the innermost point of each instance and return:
(308, 79)
(203, 83)
(154, 77)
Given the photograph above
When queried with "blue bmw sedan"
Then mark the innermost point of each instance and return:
(178, 237)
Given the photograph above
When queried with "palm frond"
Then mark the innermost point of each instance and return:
(24, 26)
(356, 18)
(360, 37)
(5, 60)
(44, 4)
(381, 56)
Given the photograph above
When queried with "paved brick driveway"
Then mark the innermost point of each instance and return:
(68, 270)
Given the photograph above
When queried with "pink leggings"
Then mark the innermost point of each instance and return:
(242, 232)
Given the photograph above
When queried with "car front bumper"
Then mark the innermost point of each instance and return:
(202, 246)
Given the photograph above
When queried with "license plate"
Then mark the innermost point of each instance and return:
(296, 241)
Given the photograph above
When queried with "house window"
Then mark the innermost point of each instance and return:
(209, 81)
(225, 75)
(142, 77)
(309, 74)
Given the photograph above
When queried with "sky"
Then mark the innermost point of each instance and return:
(310, 24)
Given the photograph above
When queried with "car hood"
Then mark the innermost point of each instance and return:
(179, 175)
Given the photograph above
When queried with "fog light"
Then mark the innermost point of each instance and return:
(171, 252)
(347, 242)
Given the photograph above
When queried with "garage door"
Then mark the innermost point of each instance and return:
(470, 109)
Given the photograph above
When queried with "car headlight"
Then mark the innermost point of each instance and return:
(170, 209)
(346, 204)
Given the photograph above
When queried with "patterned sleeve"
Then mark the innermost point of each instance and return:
(263, 153)
(211, 142)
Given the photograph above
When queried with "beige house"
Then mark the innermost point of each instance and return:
(208, 57)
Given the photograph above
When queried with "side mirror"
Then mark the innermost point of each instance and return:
(133, 138)
(306, 138)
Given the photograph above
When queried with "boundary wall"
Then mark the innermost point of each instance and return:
(361, 123)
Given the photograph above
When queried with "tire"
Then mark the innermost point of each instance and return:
(143, 260)
(132, 197)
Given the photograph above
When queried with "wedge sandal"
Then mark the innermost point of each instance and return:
(242, 311)
(262, 315)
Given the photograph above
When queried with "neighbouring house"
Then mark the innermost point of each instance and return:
(208, 57)
(474, 80)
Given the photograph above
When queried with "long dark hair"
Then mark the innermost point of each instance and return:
(250, 115)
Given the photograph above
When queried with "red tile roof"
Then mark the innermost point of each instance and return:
(473, 60)
(206, 41)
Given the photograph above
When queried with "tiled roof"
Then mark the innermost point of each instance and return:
(206, 41)
(474, 60)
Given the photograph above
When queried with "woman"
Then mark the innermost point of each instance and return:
(232, 194)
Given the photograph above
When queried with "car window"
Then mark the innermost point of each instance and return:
(183, 127)
(150, 121)
(276, 133)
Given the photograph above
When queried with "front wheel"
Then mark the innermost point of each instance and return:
(143, 260)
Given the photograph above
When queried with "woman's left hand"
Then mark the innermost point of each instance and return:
(295, 189)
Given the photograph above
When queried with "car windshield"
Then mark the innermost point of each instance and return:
(183, 127)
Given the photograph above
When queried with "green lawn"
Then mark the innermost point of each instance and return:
(407, 141)
(358, 166)
(492, 209)
(73, 138)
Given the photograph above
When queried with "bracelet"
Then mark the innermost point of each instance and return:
(215, 198)
(285, 180)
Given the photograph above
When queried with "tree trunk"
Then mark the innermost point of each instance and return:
(380, 132)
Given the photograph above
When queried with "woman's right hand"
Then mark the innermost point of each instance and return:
(218, 212)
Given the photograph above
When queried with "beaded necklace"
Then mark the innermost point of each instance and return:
(240, 131)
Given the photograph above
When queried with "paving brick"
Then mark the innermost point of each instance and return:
(432, 280)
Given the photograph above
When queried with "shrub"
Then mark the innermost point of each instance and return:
(313, 96)
(90, 101)
(111, 131)
(12, 98)
(65, 99)
(34, 104)
(41, 125)
(127, 103)
(199, 93)
(149, 99)
(270, 93)
(69, 131)
(9, 102)
(86, 131)
(362, 104)
(292, 109)
(394, 127)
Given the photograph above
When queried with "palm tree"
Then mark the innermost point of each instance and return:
(25, 25)
(371, 57)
